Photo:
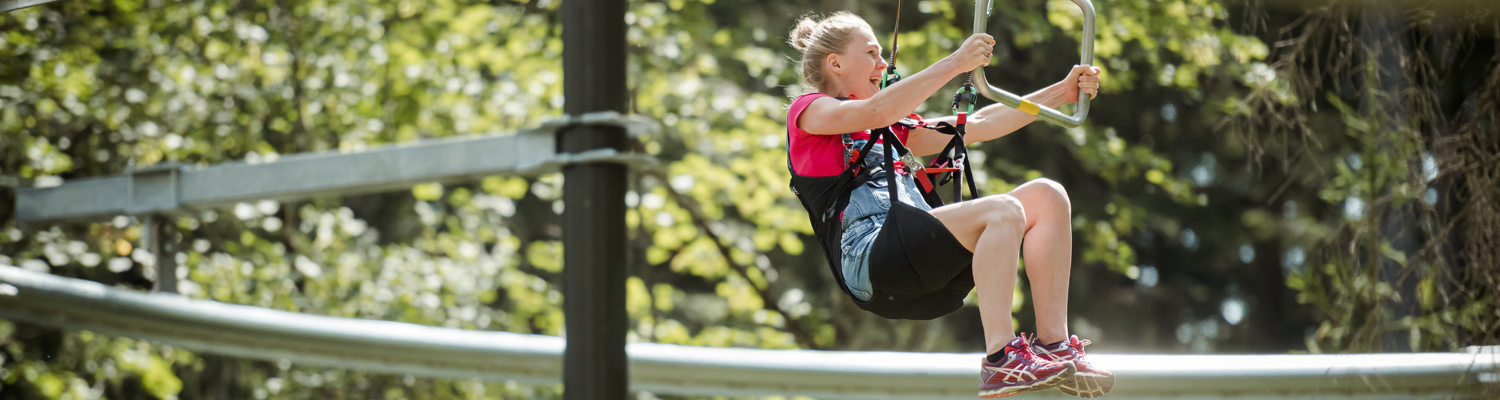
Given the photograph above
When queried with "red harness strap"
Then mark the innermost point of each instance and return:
(913, 121)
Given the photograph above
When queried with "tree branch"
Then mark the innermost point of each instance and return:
(772, 299)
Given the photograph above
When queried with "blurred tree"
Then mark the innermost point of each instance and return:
(1401, 155)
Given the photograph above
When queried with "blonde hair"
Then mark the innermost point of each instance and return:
(816, 39)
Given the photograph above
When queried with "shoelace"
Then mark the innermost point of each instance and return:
(1077, 345)
(1025, 350)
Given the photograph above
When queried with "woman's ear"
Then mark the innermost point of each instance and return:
(832, 62)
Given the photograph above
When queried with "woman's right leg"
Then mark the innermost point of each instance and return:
(992, 228)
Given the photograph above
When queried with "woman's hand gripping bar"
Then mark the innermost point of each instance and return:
(1086, 57)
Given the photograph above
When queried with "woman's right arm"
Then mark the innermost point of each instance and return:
(829, 116)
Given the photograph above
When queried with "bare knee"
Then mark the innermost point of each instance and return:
(1005, 212)
(1053, 195)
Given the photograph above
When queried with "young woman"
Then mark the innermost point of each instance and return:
(901, 259)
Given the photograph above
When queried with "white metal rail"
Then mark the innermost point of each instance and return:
(382, 346)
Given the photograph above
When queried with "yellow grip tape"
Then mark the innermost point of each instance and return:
(1028, 107)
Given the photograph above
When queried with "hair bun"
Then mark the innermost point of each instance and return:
(801, 36)
(815, 38)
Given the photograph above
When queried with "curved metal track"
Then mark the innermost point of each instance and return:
(401, 348)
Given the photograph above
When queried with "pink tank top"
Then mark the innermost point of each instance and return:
(820, 155)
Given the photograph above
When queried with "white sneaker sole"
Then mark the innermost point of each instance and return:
(1044, 384)
(1087, 385)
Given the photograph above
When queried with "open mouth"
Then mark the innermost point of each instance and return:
(875, 81)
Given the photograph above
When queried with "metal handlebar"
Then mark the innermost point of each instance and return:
(1086, 57)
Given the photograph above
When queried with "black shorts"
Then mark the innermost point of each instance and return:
(918, 270)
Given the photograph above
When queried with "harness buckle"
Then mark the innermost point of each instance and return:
(855, 158)
(912, 164)
(909, 163)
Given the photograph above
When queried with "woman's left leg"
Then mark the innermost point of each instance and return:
(1047, 249)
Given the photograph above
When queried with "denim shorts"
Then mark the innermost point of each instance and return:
(863, 218)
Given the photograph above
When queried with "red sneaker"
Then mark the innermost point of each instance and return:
(1089, 381)
(1020, 371)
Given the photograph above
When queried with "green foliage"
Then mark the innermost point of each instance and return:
(97, 86)
(1402, 259)
(720, 252)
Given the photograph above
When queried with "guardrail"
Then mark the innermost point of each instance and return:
(156, 191)
(401, 348)
(172, 188)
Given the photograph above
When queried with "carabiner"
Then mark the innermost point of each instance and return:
(964, 95)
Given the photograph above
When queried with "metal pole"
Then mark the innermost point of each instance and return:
(159, 243)
(594, 362)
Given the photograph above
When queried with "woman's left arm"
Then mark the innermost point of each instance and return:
(997, 120)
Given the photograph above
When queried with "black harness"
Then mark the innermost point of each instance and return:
(825, 197)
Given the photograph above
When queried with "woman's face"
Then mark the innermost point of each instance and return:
(858, 68)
